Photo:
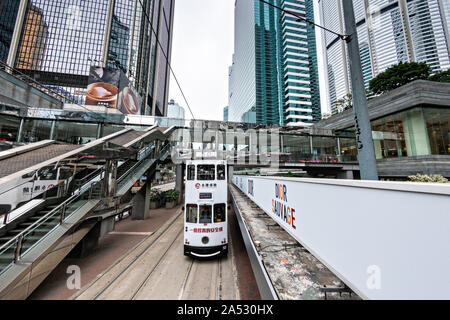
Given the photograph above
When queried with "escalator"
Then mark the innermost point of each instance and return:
(56, 226)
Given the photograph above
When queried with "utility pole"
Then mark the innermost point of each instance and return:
(364, 139)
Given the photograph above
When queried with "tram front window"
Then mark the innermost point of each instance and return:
(220, 172)
(206, 173)
(219, 213)
(205, 214)
(191, 173)
(191, 213)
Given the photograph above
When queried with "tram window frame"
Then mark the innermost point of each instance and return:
(221, 169)
(224, 218)
(189, 215)
(210, 215)
(206, 172)
(191, 172)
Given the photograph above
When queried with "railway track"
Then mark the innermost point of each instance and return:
(156, 269)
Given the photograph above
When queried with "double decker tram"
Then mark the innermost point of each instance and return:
(206, 220)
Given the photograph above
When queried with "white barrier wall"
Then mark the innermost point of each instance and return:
(385, 240)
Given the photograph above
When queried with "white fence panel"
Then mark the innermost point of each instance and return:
(385, 240)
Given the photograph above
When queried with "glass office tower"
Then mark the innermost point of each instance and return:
(8, 17)
(58, 42)
(274, 73)
(389, 32)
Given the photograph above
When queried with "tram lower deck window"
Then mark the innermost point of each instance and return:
(206, 173)
(206, 214)
(191, 213)
(220, 213)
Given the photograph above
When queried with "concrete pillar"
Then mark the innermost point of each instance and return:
(141, 202)
(20, 132)
(179, 180)
(52, 130)
(230, 173)
(99, 130)
(107, 226)
(110, 178)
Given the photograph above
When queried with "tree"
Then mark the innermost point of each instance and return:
(443, 76)
(398, 75)
(344, 104)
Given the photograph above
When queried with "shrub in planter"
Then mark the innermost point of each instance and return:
(436, 178)
(156, 199)
(171, 198)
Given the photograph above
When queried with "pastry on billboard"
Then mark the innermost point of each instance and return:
(130, 103)
(101, 93)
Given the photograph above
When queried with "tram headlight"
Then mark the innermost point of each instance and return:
(205, 240)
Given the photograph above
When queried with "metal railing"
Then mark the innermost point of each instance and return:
(52, 219)
(150, 157)
(35, 84)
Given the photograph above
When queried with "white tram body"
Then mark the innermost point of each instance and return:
(206, 209)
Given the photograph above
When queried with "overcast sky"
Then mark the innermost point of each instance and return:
(203, 45)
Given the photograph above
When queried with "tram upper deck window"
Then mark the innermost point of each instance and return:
(219, 213)
(206, 172)
(191, 172)
(205, 214)
(221, 172)
(191, 213)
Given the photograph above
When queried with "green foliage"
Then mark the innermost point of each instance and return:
(443, 76)
(436, 178)
(290, 175)
(171, 195)
(156, 195)
(344, 104)
(398, 75)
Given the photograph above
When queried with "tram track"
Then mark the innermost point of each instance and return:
(157, 269)
(125, 283)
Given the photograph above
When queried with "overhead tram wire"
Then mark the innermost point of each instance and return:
(302, 17)
(165, 55)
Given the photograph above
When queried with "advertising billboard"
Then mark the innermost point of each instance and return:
(111, 88)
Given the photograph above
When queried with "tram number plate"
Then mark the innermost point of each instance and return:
(205, 196)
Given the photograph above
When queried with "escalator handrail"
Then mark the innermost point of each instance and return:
(138, 164)
(38, 222)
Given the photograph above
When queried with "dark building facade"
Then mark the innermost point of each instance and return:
(57, 43)
(8, 17)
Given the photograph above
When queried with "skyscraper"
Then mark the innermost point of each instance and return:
(57, 42)
(274, 73)
(389, 32)
(8, 18)
(225, 114)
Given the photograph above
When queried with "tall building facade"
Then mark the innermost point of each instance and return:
(389, 32)
(274, 77)
(225, 114)
(57, 42)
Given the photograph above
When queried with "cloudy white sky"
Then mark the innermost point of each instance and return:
(203, 45)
